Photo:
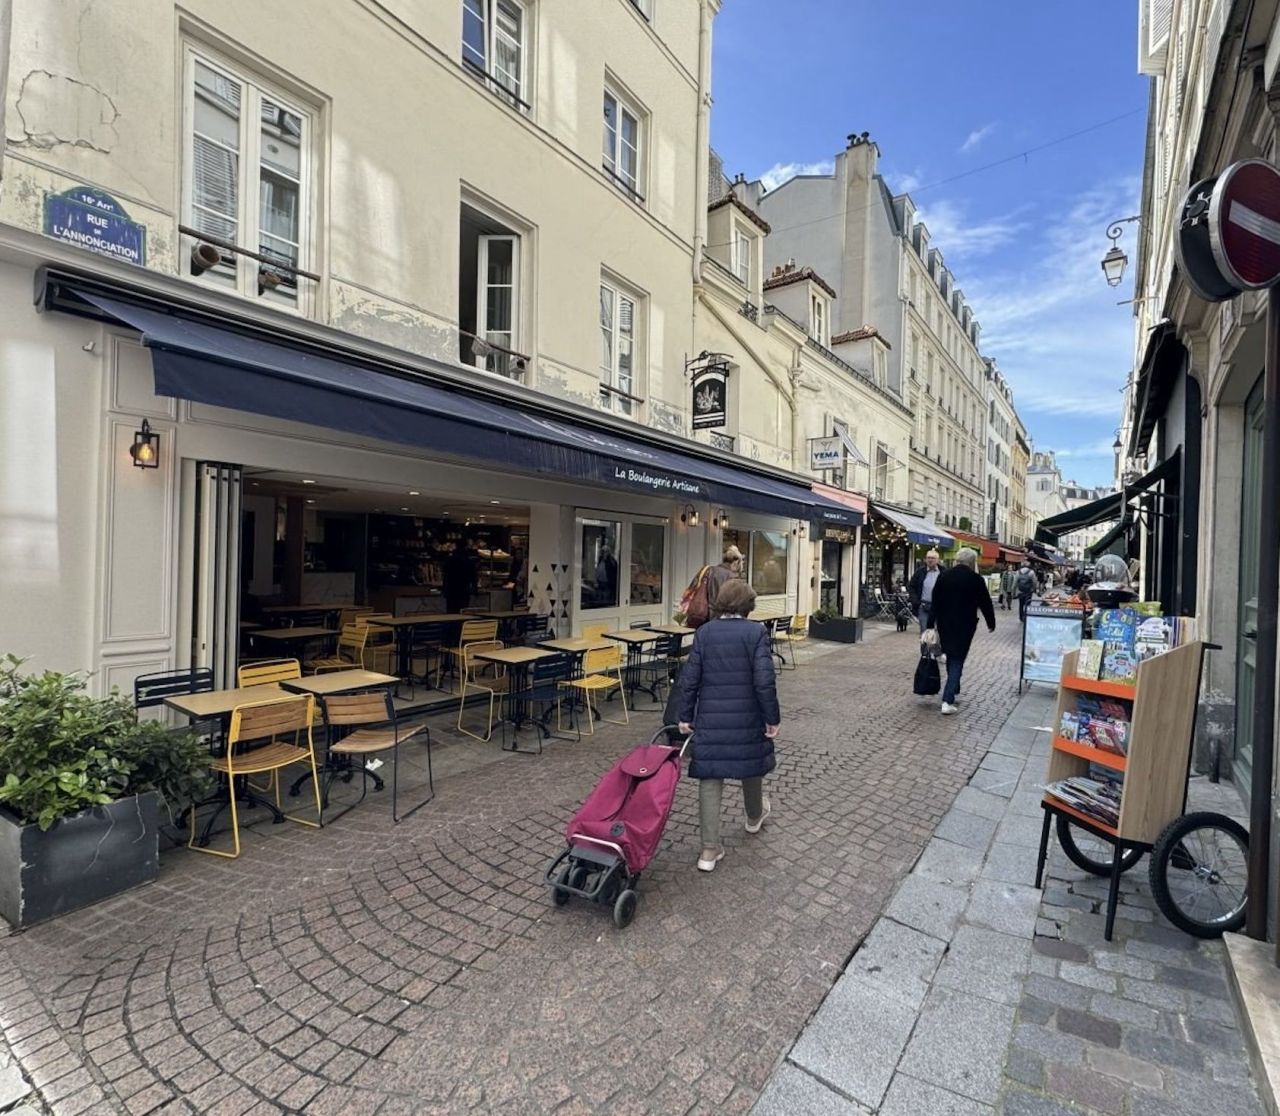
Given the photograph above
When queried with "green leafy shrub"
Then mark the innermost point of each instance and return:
(823, 615)
(62, 751)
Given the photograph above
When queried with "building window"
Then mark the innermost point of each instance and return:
(490, 295)
(598, 584)
(648, 548)
(622, 143)
(818, 319)
(644, 7)
(248, 180)
(744, 245)
(618, 335)
(880, 473)
(494, 35)
(765, 564)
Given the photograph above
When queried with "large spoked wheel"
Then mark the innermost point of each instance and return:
(624, 910)
(1091, 853)
(1199, 874)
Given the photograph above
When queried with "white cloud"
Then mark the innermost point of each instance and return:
(1101, 448)
(777, 174)
(1053, 325)
(905, 184)
(975, 138)
(952, 233)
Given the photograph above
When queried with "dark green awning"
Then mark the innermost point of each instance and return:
(1074, 519)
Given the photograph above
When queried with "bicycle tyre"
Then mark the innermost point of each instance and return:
(1172, 849)
(1081, 859)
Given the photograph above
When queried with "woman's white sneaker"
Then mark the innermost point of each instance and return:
(948, 709)
(709, 859)
(755, 826)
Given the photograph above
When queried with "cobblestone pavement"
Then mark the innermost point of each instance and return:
(422, 968)
(977, 995)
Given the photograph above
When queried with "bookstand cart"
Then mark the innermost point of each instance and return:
(1156, 767)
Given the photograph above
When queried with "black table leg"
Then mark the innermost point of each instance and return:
(1044, 844)
(1113, 892)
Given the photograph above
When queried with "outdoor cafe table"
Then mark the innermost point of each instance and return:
(288, 637)
(518, 660)
(338, 682)
(636, 640)
(404, 626)
(509, 618)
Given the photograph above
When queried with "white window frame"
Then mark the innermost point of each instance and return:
(644, 7)
(743, 252)
(518, 97)
(819, 319)
(611, 160)
(631, 400)
(253, 90)
(482, 287)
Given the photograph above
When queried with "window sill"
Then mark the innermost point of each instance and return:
(623, 185)
(497, 89)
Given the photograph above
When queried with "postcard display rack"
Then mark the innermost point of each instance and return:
(1156, 763)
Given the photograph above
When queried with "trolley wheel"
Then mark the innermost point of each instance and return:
(1091, 853)
(611, 890)
(577, 877)
(624, 910)
(1199, 874)
(558, 893)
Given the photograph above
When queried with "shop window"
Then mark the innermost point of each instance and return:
(623, 143)
(648, 553)
(765, 563)
(494, 46)
(248, 181)
(598, 578)
(490, 295)
(619, 334)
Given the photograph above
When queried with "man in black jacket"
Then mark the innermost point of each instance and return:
(921, 588)
(958, 597)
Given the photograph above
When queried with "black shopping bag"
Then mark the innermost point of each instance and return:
(928, 678)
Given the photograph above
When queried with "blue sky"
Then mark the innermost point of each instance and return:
(946, 88)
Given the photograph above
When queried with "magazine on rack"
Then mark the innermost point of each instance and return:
(1097, 797)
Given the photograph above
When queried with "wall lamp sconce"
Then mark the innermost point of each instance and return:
(720, 519)
(689, 517)
(1115, 261)
(145, 450)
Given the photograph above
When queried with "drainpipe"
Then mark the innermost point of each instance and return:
(6, 47)
(702, 130)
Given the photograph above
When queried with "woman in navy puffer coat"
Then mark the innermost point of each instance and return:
(729, 695)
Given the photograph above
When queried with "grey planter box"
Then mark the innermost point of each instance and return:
(839, 629)
(79, 860)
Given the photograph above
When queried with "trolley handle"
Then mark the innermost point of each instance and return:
(672, 728)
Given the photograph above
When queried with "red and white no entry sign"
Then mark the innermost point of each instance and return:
(1244, 224)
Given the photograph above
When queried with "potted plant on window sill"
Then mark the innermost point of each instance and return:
(81, 785)
(827, 624)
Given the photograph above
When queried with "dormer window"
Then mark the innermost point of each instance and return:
(744, 250)
(819, 319)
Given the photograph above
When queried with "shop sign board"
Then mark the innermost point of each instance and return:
(1244, 224)
(839, 534)
(93, 219)
(826, 453)
(1048, 633)
(710, 396)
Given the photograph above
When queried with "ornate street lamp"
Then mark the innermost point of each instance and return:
(1115, 261)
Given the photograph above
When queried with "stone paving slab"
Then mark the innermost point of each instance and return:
(373, 968)
(1030, 1012)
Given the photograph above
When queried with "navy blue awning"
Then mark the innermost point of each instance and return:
(920, 531)
(194, 360)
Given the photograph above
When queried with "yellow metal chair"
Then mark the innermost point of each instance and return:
(352, 614)
(473, 631)
(263, 721)
(350, 652)
(265, 673)
(594, 631)
(602, 673)
(380, 643)
(494, 686)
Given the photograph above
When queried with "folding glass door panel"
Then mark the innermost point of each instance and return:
(620, 564)
(1247, 627)
(215, 625)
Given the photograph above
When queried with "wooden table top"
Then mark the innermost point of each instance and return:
(338, 682)
(286, 635)
(672, 629)
(503, 614)
(635, 635)
(575, 646)
(419, 620)
(306, 608)
(219, 703)
(513, 656)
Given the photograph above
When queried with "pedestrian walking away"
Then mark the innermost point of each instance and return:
(921, 588)
(1008, 587)
(958, 598)
(1026, 586)
(460, 576)
(719, 576)
(729, 695)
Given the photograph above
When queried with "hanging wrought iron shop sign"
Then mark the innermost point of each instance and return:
(709, 374)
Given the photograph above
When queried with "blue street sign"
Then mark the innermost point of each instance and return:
(92, 219)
